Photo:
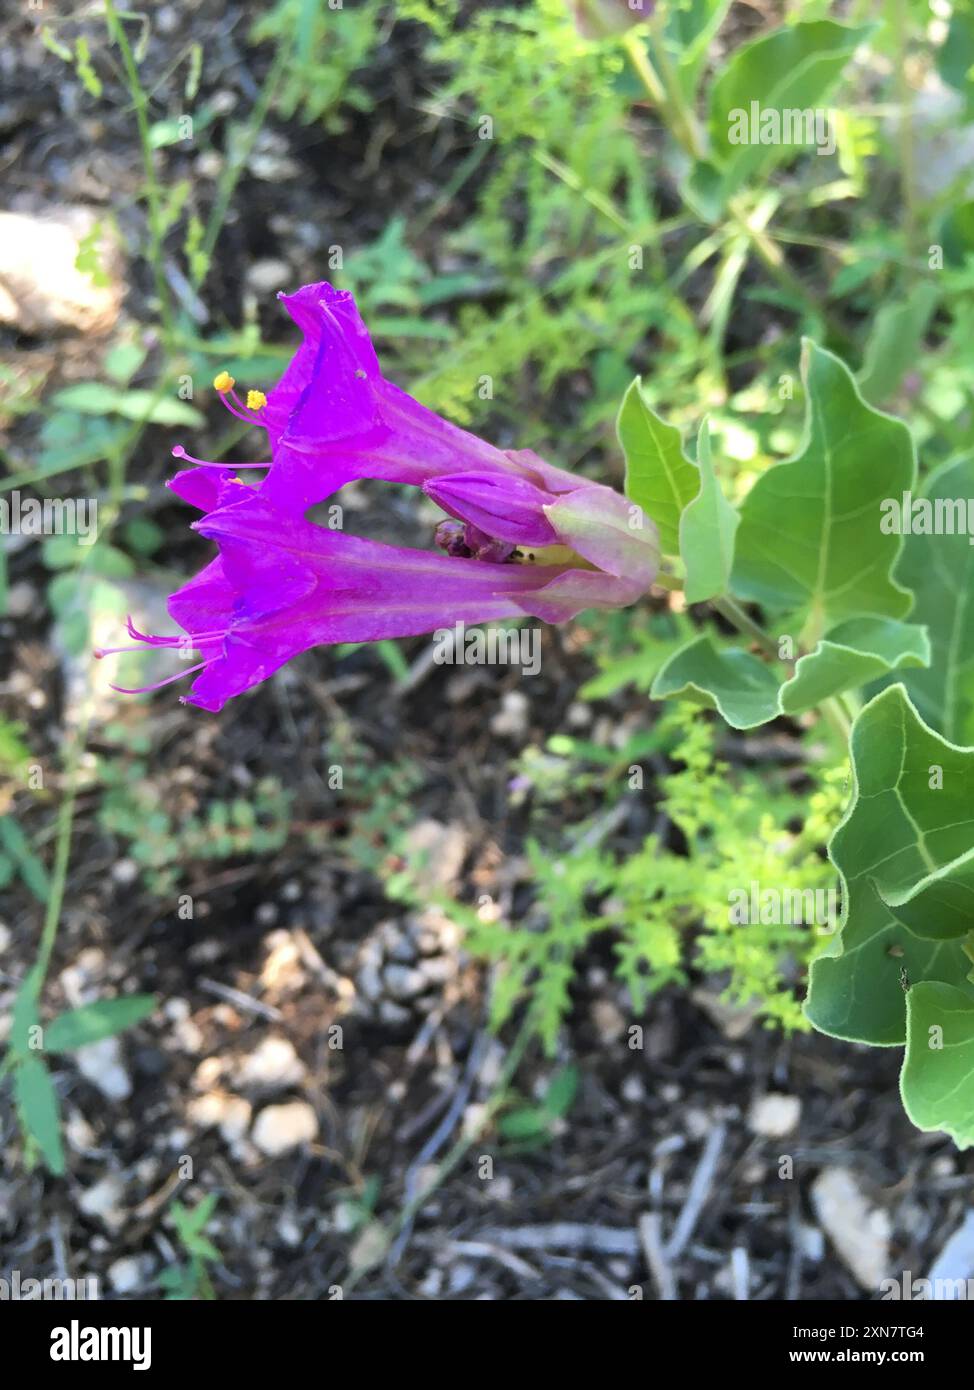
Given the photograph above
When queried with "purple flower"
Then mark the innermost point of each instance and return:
(525, 538)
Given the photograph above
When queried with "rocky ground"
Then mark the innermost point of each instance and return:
(319, 1046)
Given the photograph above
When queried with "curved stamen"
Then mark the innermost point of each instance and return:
(144, 689)
(238, 408)
(178, 452)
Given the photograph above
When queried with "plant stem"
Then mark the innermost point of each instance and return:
(731, 610)
(237, 161)
(900, 21)
(670, 104)
(62, 852)
(152, 190)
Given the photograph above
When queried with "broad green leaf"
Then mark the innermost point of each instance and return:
(707, 529)
(810, 538)
(902, 851)
(792, 69)
(741, 687)
(937, 1082)
(748, 692)
(659, 476)
(854, 654)
(940, 571)
(92, 1022)
(895, 342)
(37, 1106)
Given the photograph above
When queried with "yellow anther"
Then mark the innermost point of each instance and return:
(256, 400)
(223, 383)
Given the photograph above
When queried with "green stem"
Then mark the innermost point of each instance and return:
(62, 853)
(670, 104)
(900, 21)
(731, 610)
(152, 189)
(237, 162)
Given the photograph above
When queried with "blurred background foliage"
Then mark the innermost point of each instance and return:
(582, 218)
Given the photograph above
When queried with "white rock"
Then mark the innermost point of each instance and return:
(22, 598)
(219, 1110)
(41, 290)
(280, 1128)
(101, 1063)
(125, 1275)
(4, 937)
(511, 720)
(404, 981)
(952, 1269)
(859, 1232)
(368, 981)
(812, 1242)
(104, 1201)
(267, 277)
(435, 852)
(125, 871)
(774, 1115)
(272, 1066)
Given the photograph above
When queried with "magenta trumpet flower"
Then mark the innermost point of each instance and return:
(524, 538)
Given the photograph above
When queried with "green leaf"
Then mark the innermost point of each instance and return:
(561, 1091)
(92, 1022)
(810, 537)
(25, 1015)
(32, 871)
(793, 68)
(851, 655)
(940, 571)
(747, 692)
(37, 1106)
(659, 476)
(895, 342)
(707, 529)
(529, 1122)
(98, 398)
(956, 57)
(903, 852)
(690, 28)
(743, 689)
(937, 1083)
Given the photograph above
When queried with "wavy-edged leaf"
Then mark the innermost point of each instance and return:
(743, 689)
(940, 571)
(937, 1081)
(902, 851)
(707, 529)
(853, 654)
(659, 476)
(748, 692)
(810, 538)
